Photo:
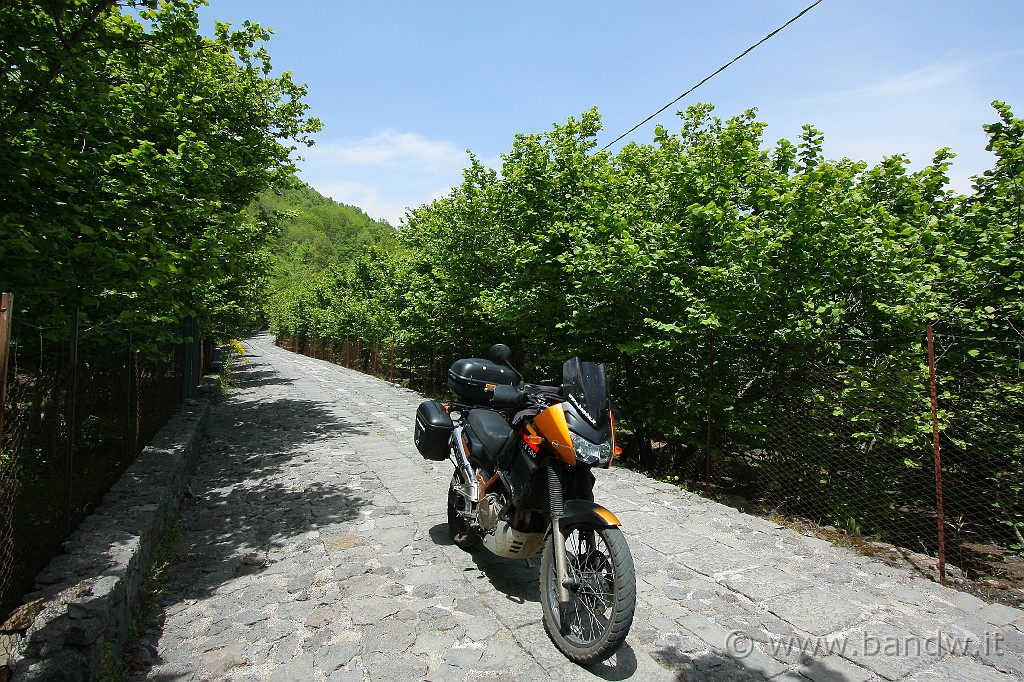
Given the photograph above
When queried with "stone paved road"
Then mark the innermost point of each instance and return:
(317, 549)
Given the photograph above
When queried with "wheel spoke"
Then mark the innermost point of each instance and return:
(586, 615)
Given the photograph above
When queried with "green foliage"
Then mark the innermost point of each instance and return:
(316, 231)
(231, 355)
(110, 667)
(360, 301)
(332, 267)
(317, 235)
(155, 580)
(129, 147)
(154, 585)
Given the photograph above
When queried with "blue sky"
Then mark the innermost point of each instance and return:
(404, 88)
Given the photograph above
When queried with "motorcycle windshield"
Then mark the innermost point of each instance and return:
(585, 385)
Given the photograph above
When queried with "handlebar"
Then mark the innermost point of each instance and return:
(508, 397)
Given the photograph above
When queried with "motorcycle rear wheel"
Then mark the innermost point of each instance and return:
(594, 623)
(462, 535)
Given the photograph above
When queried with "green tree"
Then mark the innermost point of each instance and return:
(129, 147)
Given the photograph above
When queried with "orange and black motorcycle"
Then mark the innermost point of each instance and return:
(523, 486)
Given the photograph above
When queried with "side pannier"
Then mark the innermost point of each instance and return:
(433, 430)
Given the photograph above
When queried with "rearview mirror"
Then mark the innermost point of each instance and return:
(500, 353)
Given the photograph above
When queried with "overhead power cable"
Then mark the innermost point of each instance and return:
(720, 70)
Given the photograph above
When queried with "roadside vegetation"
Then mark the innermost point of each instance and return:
(813, 278)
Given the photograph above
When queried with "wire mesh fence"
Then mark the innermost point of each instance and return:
(848, 440)
(74, 418)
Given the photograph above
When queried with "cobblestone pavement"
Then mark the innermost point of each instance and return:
(316, 548)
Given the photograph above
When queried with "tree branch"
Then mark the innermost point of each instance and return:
(57, 65)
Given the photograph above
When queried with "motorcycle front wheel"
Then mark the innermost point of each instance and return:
(462, 535)
(602, 596)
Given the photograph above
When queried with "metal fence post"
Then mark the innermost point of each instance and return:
(190, 371)
(8, 472)
(201, 360)
(134, 413)
(6, 305)
(711, 385)
(69, 465)
(938, 455)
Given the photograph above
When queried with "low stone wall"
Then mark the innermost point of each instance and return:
(88, 591)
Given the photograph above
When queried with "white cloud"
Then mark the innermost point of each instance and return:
(925, 79)
(941, 104)
(386, 173)
(390, 150)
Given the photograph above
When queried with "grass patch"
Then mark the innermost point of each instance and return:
(111, 668)
(154, 586)
(155, 580)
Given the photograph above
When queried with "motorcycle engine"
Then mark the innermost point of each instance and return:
(489, 509)
(500, 538)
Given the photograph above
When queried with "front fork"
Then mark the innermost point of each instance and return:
(557, 504)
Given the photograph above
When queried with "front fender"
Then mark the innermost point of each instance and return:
(585, 511)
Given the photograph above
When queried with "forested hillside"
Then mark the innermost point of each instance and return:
(316, 232)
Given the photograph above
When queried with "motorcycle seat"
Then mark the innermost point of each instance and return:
(491, 430)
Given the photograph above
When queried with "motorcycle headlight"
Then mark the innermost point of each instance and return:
(591, 454)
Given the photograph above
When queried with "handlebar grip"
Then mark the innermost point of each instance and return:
(506, 396)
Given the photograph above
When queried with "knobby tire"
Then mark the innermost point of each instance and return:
(595, 622)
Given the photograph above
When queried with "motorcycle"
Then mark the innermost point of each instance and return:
(523, 486)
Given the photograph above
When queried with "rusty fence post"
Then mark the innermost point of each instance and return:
(72, 404)
(128, 401)
(8, 472)
(938, 454)
(711, 384)
(6, 311)
(191, 349)
(134, 403)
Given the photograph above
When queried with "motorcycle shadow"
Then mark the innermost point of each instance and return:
(621, 666)
(517, 579)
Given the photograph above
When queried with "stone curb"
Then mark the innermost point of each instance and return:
(89, 590)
